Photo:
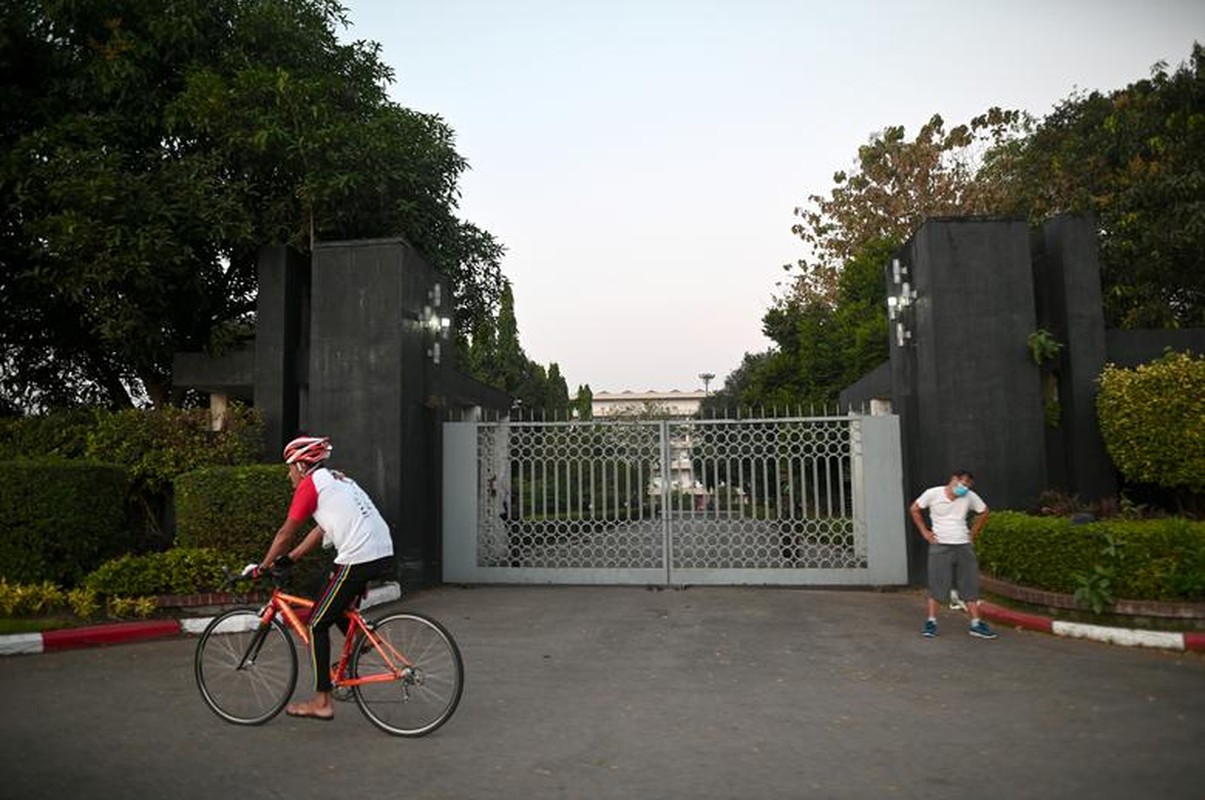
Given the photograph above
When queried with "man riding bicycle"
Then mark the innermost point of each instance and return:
(347, 520)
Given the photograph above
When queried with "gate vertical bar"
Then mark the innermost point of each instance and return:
(667, 547)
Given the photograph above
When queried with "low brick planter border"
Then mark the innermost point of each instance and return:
(1137, 608)
(209, 599)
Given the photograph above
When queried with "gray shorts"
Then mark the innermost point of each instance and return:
(953, 566)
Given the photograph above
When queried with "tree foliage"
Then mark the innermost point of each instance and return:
(149, 149)
(583, 402)
(495, 356)
(158, 445)
(1135, 157)
(821, 345)
(895, 186)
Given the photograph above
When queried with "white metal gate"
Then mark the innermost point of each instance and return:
(756, 501)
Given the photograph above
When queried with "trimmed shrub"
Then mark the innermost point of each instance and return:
(1152, 419)
(58, 433)
(1157, 559)
(236, 510)
(181, 570)
(62, 519)
(154, 445)
(157, 445)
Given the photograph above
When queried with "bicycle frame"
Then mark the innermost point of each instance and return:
(286, 605)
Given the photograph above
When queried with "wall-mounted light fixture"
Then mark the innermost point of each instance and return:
(900, 301)
(430, 323)
(436, 325)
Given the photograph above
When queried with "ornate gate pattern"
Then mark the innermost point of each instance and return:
(716, 501)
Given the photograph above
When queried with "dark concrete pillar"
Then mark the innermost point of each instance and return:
(1076, 312)
(279, 341)
(967, 394)
(369, 369)
(979, 393)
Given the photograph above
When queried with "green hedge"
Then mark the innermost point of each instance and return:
(181, 570)
(1157, 559)
(157, 445)
(62, 519)
(1152, 419)
(233, 509)
(154, 445)
(59, 433)
(238, 510)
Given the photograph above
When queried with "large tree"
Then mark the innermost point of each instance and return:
(895, 185)
(149, 149)
(830, 325)
(1135, 157)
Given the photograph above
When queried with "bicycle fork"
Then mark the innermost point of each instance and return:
(255, 645)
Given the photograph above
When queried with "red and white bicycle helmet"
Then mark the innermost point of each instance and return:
(308, 451)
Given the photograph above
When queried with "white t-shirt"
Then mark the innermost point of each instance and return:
(350, 522)
(948, 518)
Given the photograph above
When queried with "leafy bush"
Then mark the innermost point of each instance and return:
(154, 445)
(157, 445)
(18, 599)
(83, 602)
(58, 433)
(181, 570)
(1158, 559)
(1057, 503)
(1152, 419)
(236, 510)
(125, 607)
(62, 519)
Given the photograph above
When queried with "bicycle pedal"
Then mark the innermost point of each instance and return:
(341, 693)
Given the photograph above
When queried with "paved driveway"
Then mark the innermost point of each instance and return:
(623, 692)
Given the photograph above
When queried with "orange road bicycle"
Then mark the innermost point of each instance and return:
(404, 670)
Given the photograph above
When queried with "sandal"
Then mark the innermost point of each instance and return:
(298, 711)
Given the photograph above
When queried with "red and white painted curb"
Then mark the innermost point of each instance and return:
(1167, 640)
(123, 632)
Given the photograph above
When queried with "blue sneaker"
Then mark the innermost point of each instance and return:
(930, 629)
(980, 629)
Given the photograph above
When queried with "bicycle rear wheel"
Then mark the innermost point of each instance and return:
(246, 670)
(427, 695)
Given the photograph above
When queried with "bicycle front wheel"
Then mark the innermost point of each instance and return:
(246, 670)
(427, 693)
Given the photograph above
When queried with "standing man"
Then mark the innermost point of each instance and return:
(952, 562)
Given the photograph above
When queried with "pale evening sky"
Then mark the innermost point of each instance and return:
(640, 161)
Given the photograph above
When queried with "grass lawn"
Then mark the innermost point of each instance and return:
(10, 625)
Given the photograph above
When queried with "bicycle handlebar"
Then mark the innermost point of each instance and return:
(278, 574)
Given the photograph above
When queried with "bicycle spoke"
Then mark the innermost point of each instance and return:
(258, 689)
(427, 693)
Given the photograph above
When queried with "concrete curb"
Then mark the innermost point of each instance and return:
(1168, 640)
(126, 632)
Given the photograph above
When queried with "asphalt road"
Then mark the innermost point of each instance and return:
(623, 692)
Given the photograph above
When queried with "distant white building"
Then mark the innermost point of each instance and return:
(660, 405)
(675, 404)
